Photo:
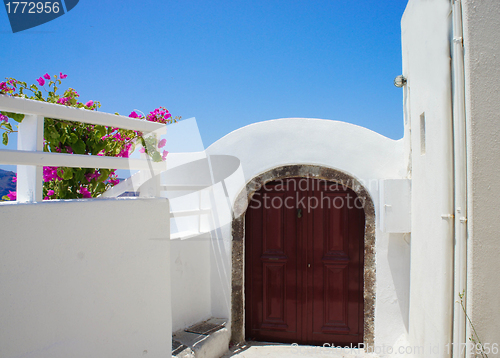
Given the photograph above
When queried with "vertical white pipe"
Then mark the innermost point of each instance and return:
(460, 182)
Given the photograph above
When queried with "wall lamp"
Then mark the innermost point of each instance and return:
(400, 81)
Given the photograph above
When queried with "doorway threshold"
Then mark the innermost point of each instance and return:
(280, 350)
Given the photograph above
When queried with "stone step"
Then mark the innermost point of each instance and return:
(207, 339)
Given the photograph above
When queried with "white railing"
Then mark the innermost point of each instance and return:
(30, 158)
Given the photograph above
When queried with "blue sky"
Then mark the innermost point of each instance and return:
(227, 63)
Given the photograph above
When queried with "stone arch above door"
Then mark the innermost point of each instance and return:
(238, 241)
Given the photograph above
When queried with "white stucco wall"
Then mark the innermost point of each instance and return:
(482, 71)
(426, 35)
(357, 151)
(190, 267)
(86, 278)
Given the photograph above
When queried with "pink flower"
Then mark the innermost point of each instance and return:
(14, 179)
(125, 151)
(62, 76)
(50, 192)
(50, 173)
(164, 156)
(5, 88)
(134, 115)
(63, 100)
(12, 195)
(4, 118)
(94, 175)
(89, 103)
(162, 143)
(142, 150)
(113, 180)
(46, 76)
(41, 81)
(85, 192)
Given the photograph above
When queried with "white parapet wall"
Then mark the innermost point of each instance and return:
(85, 278)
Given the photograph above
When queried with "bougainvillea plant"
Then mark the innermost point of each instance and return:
(64, 136)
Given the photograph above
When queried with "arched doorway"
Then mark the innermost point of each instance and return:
(304, 263)
(239, 238)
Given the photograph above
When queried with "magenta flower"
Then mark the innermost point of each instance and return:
(164, 156)
(14, 179)
(142, 150)
(5, 88)
(4, 118)
(85, 192)
(89, 103)
(50, 192)
(46, 76)
(134, 115)
(162, 143)
(12, 195)
(41, 81)
(63, 100)
(113, 180)
(94, 175)
(62, 76)
(50, 173)
(125, 151)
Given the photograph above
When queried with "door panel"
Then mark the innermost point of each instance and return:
(271, 266)
(304, 273)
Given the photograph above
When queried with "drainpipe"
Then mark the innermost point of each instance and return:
(460, 182)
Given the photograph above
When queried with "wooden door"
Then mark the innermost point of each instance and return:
(304, 264)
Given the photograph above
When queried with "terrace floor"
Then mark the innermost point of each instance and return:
(275, 350)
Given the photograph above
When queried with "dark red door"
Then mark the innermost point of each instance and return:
(304, 263)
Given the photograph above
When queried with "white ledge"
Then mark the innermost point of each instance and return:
(51, 110)
(22, 157)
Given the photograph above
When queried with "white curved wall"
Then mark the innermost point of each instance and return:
(357, 151)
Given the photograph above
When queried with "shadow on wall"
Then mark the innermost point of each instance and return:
(221, 274)
(400, 271)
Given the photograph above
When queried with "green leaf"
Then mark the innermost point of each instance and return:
(104, 175)
(5, 140)
(67, 173)
(8, 126)
(18, 117)
(156, 157)
(79, 147)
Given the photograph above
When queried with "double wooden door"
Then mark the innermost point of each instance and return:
(304, 264)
